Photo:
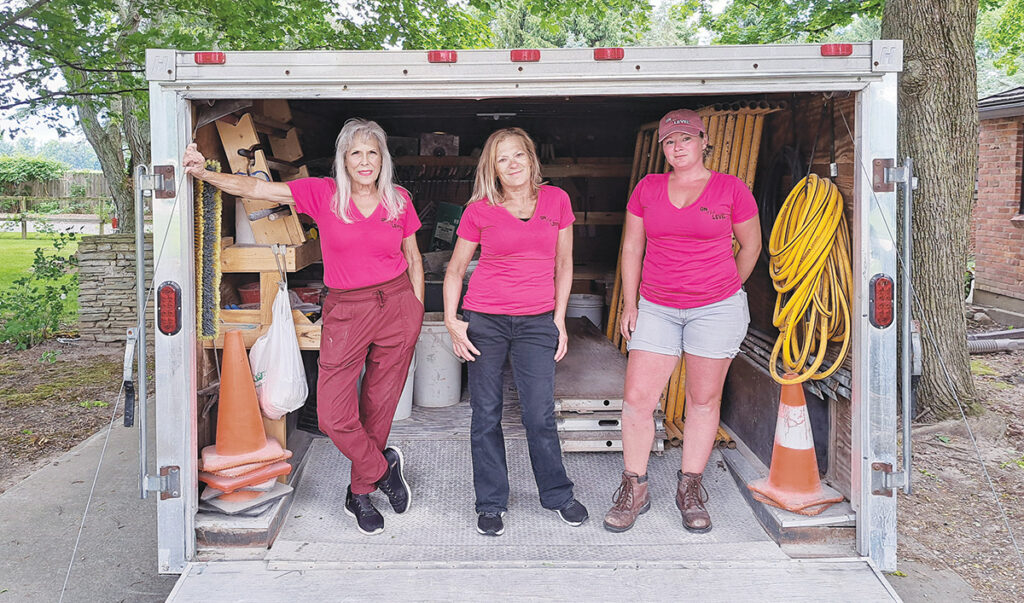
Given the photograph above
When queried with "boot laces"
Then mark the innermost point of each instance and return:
(694, 493)
(623, 496)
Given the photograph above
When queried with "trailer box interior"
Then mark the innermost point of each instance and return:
(590, 145)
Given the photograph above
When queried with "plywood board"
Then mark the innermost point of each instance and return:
(259, 258)
(240, 136)
(592, 368)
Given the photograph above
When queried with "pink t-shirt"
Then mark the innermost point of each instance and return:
(366, 252)
(689, 261)
(516, 272)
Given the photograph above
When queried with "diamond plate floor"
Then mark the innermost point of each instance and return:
(440, 526)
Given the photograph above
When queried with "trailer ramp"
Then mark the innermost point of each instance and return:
(433, 552)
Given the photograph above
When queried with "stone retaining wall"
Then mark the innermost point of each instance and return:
(106, 286)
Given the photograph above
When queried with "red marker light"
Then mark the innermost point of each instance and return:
(524, 55)
(210, 58)
(442, 56)
(836, 50)
(168, 308)
(609, 54)
(882, 309)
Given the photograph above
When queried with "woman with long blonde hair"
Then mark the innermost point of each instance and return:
(514, 308)
(374, 306)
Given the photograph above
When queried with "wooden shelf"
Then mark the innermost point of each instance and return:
(248, 323)
(259, 258)
(584, 167)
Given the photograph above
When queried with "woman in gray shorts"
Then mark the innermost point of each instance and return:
(677, 251)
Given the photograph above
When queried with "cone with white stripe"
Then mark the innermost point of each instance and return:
(792, 483)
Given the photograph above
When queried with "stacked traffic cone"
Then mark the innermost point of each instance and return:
(243, 463)
(792, 483)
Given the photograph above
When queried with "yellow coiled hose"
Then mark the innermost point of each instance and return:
(810, 266)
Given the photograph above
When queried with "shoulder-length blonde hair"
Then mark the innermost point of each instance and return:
(487, 185)
(358, 129)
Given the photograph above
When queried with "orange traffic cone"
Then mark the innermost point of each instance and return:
(241, 438)
(227, 485)
(792, 483)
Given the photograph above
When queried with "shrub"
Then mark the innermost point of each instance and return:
(32, 307)
(17, 170)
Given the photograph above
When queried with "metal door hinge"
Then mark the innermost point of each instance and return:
(884, 480)
(168, 483)
(160, 181)
(885, 177)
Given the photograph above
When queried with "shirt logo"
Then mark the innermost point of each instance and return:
(713, 215)
(394, 223)
(548, 220)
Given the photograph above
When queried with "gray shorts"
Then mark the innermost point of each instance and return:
(712, 331)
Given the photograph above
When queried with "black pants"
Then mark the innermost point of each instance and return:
(529, 342)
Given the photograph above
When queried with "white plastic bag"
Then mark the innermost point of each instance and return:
(277, 363)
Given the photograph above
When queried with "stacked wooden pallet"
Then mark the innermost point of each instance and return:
(589, 386)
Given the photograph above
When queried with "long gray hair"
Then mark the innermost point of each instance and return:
(355, 129)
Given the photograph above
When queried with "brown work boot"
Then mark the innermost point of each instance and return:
(631, 500)
(690, 498)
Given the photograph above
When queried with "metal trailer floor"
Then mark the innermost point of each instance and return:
(433, 552)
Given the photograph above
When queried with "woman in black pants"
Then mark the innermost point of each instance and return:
(514, 308)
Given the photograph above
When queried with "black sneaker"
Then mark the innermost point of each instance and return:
(393, 483)
(368, 519)
(573, 513)
(490, 524)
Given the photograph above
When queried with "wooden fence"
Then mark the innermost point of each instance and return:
(70, 185)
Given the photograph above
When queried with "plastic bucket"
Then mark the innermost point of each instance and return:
(586, 305)
(438, 380)
(404, 410)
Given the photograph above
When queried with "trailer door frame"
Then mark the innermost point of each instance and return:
(175, 374)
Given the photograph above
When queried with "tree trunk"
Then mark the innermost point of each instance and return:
(106, 141)
(136, 131)
(939, 129)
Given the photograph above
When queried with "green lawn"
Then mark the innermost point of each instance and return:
(16, 256)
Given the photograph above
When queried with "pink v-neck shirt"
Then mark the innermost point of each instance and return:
(689, 261)
(516, 271)
(366, 252)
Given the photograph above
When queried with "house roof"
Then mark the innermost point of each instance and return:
(1008, 103)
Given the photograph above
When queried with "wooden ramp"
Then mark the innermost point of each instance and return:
(792, 581)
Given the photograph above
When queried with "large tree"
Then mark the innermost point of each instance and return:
(87, 56)
(938, 128)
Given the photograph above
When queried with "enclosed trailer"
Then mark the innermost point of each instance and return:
(585, 108)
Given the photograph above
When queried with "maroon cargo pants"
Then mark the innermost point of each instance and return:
(376, 326)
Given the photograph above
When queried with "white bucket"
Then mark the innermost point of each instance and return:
(404, 410)
(438, 380)
(586, 305)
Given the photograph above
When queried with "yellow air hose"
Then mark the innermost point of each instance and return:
(811, 269)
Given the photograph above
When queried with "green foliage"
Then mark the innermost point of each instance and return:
(774, 21)
(561, 24)
(49, 356)
(18, 170)
(1006, 36)
(32, 306)
(75, 152)
(93, 404)
(672, 25)
(998, 64)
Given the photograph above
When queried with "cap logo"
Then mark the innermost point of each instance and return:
(670, 120)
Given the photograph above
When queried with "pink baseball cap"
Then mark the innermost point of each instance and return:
(686, 121)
